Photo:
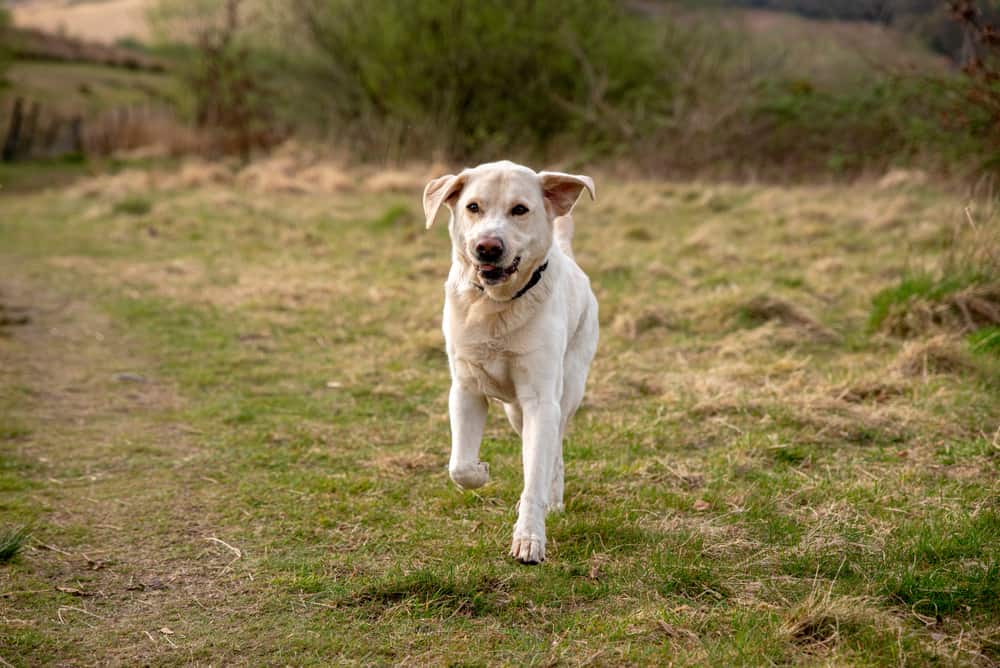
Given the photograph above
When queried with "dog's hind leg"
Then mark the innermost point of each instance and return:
(515, 417)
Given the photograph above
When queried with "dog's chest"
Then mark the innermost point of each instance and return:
(488, 366)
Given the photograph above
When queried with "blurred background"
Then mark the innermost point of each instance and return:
(775, 89)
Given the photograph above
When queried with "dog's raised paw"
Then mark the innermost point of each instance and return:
(528, 550)
(470, 476)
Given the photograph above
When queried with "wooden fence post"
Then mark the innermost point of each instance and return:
(10, 144)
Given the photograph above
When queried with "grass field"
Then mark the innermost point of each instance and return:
(223, 419)
(82, 88)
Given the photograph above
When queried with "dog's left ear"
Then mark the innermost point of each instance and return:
(440, 190)
(563, 190)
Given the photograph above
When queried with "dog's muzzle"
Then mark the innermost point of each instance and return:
(493, 273)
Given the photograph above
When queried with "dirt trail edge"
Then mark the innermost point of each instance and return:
(127, 562)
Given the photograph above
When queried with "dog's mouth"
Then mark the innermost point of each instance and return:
(493, 274)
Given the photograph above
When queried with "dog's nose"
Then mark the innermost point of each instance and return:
(489, 249)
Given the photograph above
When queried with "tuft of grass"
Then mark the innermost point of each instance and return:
(433, 592)
(12, 539)
(921, 302)
(768, 308)
(986, 341)
(134, 205)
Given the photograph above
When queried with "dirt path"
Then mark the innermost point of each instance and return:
(127, 561)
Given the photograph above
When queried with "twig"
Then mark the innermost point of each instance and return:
(972, 222)
(322, 605)
(4, 662)
(235, 551)
(55, 549)
(86, 612)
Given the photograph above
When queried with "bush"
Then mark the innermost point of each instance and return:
(472, 78)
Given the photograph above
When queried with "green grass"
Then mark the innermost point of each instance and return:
(12, 539)
(73, 88)
(740, 490)
(986, 341)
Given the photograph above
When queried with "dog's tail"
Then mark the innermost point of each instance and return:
(564, 234)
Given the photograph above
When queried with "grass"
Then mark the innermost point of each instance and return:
(755, 476)
(75, 88)
(12, 539)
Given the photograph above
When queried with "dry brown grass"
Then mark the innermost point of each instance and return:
(742, 432)
(966, 310)
(940, 354)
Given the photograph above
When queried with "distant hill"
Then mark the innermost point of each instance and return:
(927, 19)
(836, 50)
(105, 21)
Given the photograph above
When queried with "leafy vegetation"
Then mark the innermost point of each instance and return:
(675, 92)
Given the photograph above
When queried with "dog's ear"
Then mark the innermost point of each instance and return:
(562, 190)
(439, 191)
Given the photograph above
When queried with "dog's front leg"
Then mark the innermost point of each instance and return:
(467, 410)
(541, 438)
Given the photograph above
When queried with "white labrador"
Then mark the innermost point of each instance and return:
(520, 324)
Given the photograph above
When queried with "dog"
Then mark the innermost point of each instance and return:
(520, 325)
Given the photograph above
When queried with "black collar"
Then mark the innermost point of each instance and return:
(535, 277)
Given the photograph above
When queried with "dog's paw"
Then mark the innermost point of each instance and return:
(470, 476)
(528, 549)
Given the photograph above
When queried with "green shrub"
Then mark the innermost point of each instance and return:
(470, 78)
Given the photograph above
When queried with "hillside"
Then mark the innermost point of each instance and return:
(104, 21)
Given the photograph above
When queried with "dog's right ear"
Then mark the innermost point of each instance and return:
(443, 189)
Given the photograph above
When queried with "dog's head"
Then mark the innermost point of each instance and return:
(502, 215)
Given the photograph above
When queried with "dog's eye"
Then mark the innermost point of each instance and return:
(473, 207)
(519, 210)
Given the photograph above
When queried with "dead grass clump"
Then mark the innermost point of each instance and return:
(966, 310)
(631, 326)
(871, 390)
(939, 355)
(816, 623)
(115, 185)
(404, 465)
(199, 173)
(902, 178)
(392, 180)
(766, 308)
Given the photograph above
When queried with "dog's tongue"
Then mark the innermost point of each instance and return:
(487, 268)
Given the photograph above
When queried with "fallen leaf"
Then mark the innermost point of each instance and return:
(701, 505)
(166, 631)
